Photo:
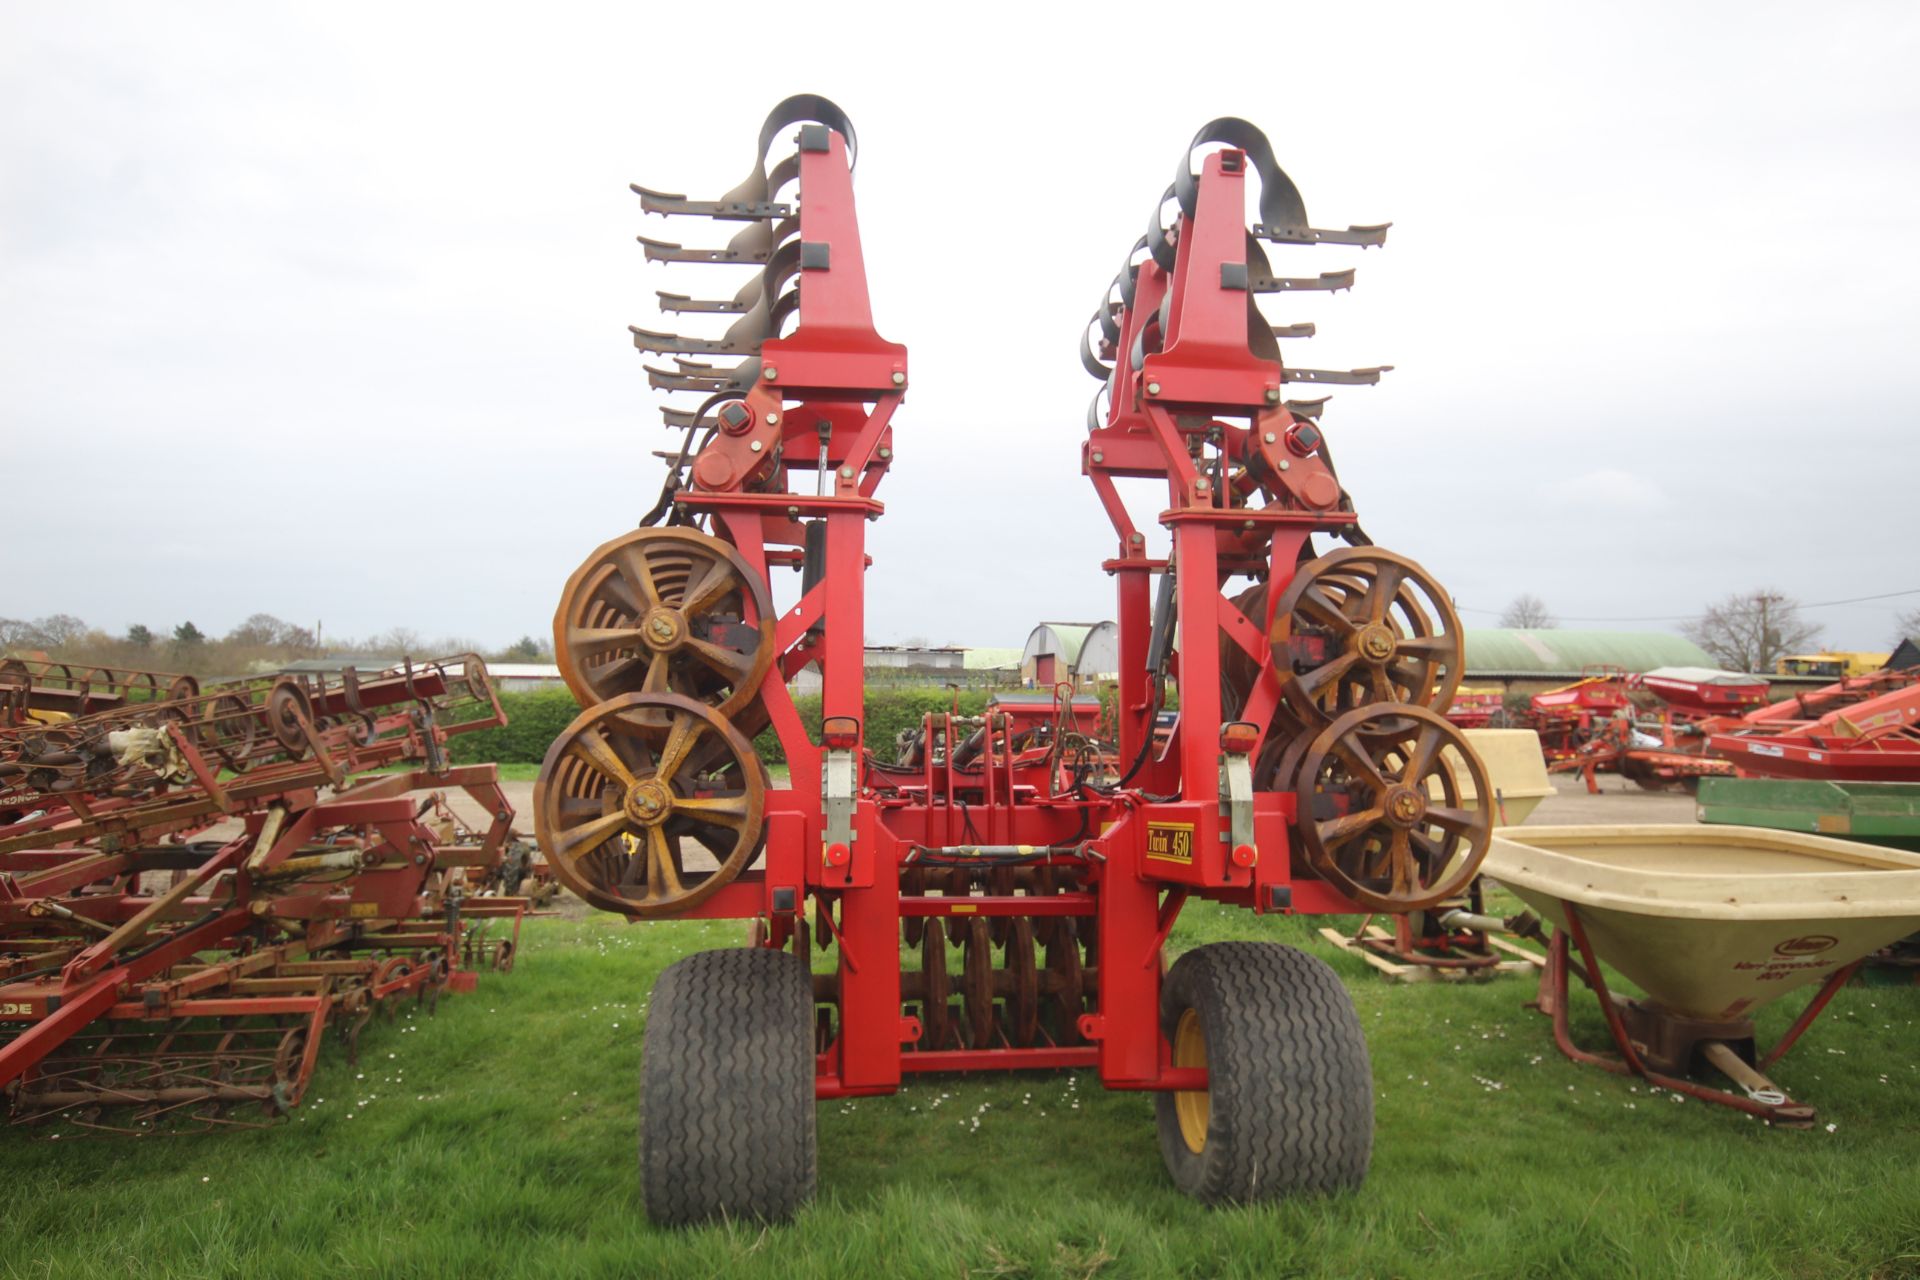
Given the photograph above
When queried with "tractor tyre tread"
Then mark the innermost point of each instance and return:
(727, 1120)
(1290, 1085)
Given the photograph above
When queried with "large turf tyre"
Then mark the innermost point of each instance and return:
(726, 1089)
(1288, 1108)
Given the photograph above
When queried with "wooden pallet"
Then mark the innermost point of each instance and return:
(1524, 961)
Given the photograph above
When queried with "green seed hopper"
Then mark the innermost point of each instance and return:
(1882, 813)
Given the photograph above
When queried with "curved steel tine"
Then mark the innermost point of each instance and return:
(788, 304)
(1129, 277)
(1325, 282)
(1108, 314)
(742, 336)
(750, 246)
(1367, 237)
(667, 380)
(1095, 418)
(1337, 377)
(1307, 408)
(746, 202)
(1156, 238)
(1089, 358)
(788, 170)
(1280, 202)
(783, 265)
(1261, 337)
(680, 303)
(1305, 329)
(803, 108)
(1283, 214)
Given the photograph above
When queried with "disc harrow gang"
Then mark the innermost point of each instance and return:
(997, 890)
(150, 981)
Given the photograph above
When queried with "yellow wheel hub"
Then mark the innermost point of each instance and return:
(648, 802)
(1191, 1106)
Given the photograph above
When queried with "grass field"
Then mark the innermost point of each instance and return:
(498, 1138)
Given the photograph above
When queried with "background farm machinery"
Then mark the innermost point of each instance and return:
(1680, 726)
(1307, 768)
(182, 913)
(1647, 726)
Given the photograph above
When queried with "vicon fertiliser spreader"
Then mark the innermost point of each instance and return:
(998, 896)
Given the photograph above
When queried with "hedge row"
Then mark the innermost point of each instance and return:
(534, 720)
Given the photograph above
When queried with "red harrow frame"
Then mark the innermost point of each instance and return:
(151, 981)
(1306, 771)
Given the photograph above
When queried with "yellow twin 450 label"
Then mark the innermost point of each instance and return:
(1170, 842)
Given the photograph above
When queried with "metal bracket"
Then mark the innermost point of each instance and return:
(836, 788)
(1236, 804)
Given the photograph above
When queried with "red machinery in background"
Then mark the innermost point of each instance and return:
(1861, 729)
(1306, 769)
(148, 979)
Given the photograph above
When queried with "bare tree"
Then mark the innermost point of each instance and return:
(1906, 627)
(1528, 612)
(55, 631)
(399, 642)
(258, 631)
(1752, 631)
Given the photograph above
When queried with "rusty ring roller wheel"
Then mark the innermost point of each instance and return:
(1361, 625)
(231, 726)
(180, 688)
(288, 704)
(665, 611)
(1380, 808)
(627, 810)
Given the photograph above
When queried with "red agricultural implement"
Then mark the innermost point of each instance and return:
(1648, 727)
(1863, 729)
(1568, 717)
(1306, 769)
(152, 980)
(1477, 709)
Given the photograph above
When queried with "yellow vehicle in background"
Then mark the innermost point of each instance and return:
(1835, 666)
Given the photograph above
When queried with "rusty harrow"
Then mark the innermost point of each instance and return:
(999, 891)
(150, 979)
(49, 692)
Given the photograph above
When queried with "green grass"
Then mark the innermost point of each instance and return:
(498, 1138)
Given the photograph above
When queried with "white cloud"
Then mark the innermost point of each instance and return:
(1607, 489)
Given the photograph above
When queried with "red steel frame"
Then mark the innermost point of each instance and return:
(834, 368)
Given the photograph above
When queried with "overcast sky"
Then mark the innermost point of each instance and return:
(322, 310)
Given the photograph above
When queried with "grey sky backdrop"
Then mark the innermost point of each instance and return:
(321, 310)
